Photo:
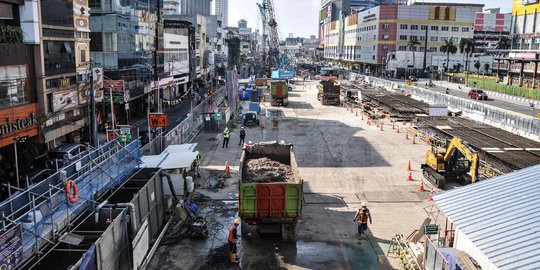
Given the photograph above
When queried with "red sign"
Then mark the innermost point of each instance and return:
(158, 120)
(116, 85)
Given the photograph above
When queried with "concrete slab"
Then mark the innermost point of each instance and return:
(312, 198)
(390, 196)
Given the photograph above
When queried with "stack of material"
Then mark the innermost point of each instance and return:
(264, 170)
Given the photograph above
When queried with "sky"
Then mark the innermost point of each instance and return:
(299, 17)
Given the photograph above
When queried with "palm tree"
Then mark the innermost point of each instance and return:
(486, 68)
(503, 43)
(477, 65)
(448, 48)
(412, 43)
(466, 45)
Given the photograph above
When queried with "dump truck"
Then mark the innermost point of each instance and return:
(279, 93)
(270, 190)
(329, 91)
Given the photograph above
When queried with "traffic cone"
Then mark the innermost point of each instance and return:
(413, 141)
(377, 123)
(393, 127)
(227, 169)
(430, 197)
(362, 116)
(407, 135)
(421, 188)
(409, 166)
(382, 126)
(409, 178)
(352, 110)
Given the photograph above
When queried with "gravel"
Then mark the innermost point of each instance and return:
(264, 170)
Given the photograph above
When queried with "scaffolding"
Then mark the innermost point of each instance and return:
(44, 216)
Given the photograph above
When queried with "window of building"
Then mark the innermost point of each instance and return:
(374, 47)
(385, 37)
(50, 102)
(433, 49)
(59, 57)
(373, 57)
(414, 38)
(464, 29)
(455, 39)
(385, 47)
(434, 39)
(403, 37)
(444, 28)
(434, 28)
(402, 48)
(455, 29)
(83, 56)
(403, 26)
(374, 37)
(386, 26)
(421, 49)
(12, 85)
(414, 26)
(422, 38)
(423, 27)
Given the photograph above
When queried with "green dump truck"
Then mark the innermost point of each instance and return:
(270, 190)
(279, 93)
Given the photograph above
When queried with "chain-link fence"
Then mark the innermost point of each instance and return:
(514, 122)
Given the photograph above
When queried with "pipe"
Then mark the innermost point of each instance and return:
(169, 180)
(132, 210)
(96, 215)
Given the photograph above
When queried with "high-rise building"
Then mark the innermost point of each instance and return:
(489, 28)
(220, 8)
(194, 7)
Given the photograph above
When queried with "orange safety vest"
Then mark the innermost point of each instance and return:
(232, 234)
(363, 216)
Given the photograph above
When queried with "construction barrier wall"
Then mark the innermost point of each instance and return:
(43, 208)
(526, 126)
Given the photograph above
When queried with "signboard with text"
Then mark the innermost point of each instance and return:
(158, 120)
(12, 248)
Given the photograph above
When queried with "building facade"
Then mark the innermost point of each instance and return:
(195, 7)
(489, 28)
(220, 8)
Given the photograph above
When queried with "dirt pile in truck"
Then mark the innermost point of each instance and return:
(265, 170)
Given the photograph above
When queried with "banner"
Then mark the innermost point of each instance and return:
(12, 248)
(97, 75)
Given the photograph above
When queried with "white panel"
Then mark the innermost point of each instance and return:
(463, 243)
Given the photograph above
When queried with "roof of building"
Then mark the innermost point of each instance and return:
(500, 216)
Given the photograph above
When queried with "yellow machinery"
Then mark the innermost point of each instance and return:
(455, 162)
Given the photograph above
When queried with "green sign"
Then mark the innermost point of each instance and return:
(218, 116)
(432, 229)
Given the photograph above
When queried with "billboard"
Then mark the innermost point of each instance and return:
(176, 54)
(521, 7)
(65, 100)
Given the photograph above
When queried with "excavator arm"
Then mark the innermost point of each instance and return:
(468, 152)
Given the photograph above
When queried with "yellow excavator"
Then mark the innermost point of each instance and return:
(455, 161)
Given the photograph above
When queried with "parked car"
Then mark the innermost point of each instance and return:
(251, 118)
(64, 155)
(478, 94)
(37, 175)
(413, 78)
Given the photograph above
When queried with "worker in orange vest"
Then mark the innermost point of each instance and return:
(232, 239)
(362, 217)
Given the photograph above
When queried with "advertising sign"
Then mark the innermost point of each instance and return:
(12, 248)
(65, 100)
(115, 85)
(97, 75)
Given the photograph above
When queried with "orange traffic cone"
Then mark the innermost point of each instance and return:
(421, 188)
(352, 110)
(393, 127)
(362, 116)
(430, 197)
(227, 169)
(409, 178)
(377, 124)
(413, 141)
(407, 135)
(409, 166)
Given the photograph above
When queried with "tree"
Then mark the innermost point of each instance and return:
(486, 68)
(11, 34)
(477, 65)
(503, 43)
(466, 46)
(233, 45)
(448, 48)
(412, 43)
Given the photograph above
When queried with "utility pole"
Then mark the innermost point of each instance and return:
(425, 49)
(93, 118)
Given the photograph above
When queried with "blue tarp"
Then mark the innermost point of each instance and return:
(89, 259)
(452, 256)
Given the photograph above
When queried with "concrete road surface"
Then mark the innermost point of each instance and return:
(343, 162)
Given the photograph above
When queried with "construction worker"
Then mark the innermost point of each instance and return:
(198, 165)
(362, 217)
(226, 136)
(242, 136)
(232, 239)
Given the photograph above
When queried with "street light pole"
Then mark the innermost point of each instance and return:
(15, 141)
(93, 118)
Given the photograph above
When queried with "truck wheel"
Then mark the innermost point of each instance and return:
(289, 232)
(244, 230)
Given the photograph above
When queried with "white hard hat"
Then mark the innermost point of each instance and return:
(364, 204)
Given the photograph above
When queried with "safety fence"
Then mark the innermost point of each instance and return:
(43, 212)
(520, 124)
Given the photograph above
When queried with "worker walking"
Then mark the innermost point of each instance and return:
(198, 165)
(232, 239)
(226, 136)
(242, 136)
(362, 217)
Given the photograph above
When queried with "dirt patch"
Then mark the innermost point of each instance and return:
(264, 170)
(218, 259)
